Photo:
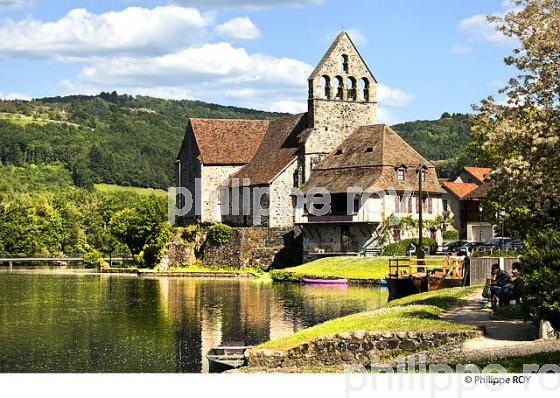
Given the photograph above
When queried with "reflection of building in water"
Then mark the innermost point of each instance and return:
(246, 317)
(281, 325)
(184, 309)
(211, 331)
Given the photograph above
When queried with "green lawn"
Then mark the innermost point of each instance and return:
(417, 312)
(407, 318)
(23, 120)
(444, 298)
(140, 191)
(337, 267)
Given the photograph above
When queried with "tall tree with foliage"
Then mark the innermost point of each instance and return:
(520, 139)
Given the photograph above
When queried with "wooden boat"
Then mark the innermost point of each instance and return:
(340, 281)
(411, 275)
(226, 358)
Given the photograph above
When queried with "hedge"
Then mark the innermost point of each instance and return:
(400, 248)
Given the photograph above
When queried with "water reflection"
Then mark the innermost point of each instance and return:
(101, 323)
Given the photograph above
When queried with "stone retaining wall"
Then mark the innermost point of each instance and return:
(181, 274)
(354, 348)
(256, 247)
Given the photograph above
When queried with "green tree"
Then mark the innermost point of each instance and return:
(141, 225)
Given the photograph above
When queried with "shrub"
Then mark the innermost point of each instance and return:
(400, 248)
(139, 259)
(190, 232)
(450, 235)
(93, 259)
(219, 234)
(155, 247)
(540, 276)
(284, 276)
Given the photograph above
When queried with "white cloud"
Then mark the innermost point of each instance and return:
(460, 49)
(216, 62)
(241, 28)
(394, 97)
(247, 4)
(81, 33)
(386, 116)
(14, 96)
(478, 28)
(217, 72)
(6, 5)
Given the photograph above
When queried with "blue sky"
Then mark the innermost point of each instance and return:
(429, 56)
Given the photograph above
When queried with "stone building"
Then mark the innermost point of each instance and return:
(212, 150)
(462, 202)
(252, 165)
(371, 177)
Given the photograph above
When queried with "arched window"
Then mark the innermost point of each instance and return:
(351, 87)
(344, 63)
(310, 91)
(364, 88)
(339, 85)
(326, 87)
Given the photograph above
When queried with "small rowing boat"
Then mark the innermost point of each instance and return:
(225, 358)
(340, 281)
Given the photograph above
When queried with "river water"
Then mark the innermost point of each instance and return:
(84, 322)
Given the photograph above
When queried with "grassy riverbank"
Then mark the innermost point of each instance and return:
(336, 267)
(412, 313)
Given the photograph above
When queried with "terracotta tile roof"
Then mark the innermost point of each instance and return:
(460, 189)
(368, 159)
(278, 148)
(478, 172)
(480, 192)
(227, 141)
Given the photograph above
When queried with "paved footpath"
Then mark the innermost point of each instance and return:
(503, 338)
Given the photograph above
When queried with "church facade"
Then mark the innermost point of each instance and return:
(261, 173)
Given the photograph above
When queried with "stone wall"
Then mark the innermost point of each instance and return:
(255, 247)
(212, 183)
(354, 348)
(187, 171)
(281, 211)
(178, 253)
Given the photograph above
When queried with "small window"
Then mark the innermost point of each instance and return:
(445, 205)
(401, 174)
(338, 152)
(357, 203)
(370, 149)
(344, 63)
(424, 173)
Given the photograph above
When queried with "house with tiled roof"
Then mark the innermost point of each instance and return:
(245, 167)
(212, 150)
(461, 201)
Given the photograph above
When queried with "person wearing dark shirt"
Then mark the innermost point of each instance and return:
(501, 287)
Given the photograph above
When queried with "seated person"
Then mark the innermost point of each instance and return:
(501, 287)
(515, 273)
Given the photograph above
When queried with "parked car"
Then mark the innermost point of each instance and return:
(468, 248)
(518, 244)
(495, 244)
(453, 246)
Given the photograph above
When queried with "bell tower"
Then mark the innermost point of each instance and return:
(342, 97)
